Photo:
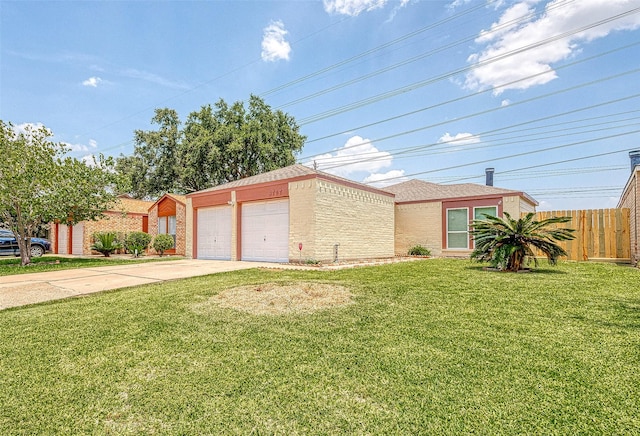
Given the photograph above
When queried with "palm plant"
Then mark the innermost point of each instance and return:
(106, 243)
(506, 243)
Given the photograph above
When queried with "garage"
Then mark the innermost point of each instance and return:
(63, 239)
(265, 231)
(77, 239)
(214, 233)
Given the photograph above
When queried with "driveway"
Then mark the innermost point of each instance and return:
(22, 289)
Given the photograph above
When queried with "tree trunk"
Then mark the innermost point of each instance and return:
(25, 253)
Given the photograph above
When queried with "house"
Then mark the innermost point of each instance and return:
(630, 199)
(168, 215)
(438, 216)
(127, 215)
(290, 214)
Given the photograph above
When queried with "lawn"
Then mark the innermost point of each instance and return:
(11, 265)
(430, 347)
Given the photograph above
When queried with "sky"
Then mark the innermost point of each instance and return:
(545, 92)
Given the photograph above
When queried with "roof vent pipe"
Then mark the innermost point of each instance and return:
(489, 176)
(635, 159)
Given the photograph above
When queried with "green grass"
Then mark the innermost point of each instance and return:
(431, 347)
(10, 266)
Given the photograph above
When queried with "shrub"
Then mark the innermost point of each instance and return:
(162, 242)
(105, 243)
(137, 242)
(419, 250)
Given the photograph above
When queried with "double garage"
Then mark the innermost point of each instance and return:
(290, 214)
(264, 231)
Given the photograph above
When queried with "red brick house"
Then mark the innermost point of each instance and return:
(168, 215)
(127, 215)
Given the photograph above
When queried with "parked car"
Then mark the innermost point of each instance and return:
(9, 245)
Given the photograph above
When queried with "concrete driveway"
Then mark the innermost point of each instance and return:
(19, 290)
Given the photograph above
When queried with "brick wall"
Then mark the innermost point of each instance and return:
(323, 214)
(188, 246)
(181, 227)
(121, 223)
(419, 223)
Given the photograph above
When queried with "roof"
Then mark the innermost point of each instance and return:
(176, 197)
(418, 190)
(130, 205)
(290, 172)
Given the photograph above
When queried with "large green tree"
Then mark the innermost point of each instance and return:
(217, 144)
(40, 184)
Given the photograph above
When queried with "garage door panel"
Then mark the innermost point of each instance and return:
(77, 239)
(214, 233)
(63, 238)
(265, 231)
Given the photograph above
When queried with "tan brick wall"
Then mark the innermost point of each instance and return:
(325, 213)
(419, 223)
(302, 208)
(631, 199)
(516, 206)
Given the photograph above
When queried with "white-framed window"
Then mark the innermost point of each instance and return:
(458, 228)
(167, 224)
(480, 212)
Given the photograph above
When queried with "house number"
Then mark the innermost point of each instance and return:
(275, 192)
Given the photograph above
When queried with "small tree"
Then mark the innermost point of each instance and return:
(106, 243)
(507, 243)
(39, 184)
(137, 242)
(162, 242)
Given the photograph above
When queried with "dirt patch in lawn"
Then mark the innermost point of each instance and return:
(282, 298)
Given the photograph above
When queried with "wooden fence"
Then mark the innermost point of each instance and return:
(601, 234)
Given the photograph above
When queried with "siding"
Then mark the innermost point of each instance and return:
(630, 199)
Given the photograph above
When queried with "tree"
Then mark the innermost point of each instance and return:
(218, 144)
(506, 243)
(40, 184)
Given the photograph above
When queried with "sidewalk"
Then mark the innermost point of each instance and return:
(22, 289)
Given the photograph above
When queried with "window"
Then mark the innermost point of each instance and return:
(458, 228)
(480, 212)
(167, 224)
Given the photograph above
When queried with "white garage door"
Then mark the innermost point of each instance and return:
(63, 239)
(214, 233)
(265, 231)
(77, 239)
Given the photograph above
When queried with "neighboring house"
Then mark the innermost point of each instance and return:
(168, 215)
(438, 216)
(290, 214)
(630, 199)
(127, 215)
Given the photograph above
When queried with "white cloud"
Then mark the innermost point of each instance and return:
(380, 180)
(76, 147)
(353, 7)
(25, 128)
(93, 143)
(274, 45)
(89, 160)
(459, 139)
(357, 155)
(559, 17)
(92, 81)
(505, 102)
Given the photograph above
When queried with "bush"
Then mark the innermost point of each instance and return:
(105, 243)
(162, 242)
(137, 242)
(419, 250)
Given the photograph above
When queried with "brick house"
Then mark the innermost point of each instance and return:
(438, 216)
(168, 215)
(127, 215)
(289, 214)
(630, 199)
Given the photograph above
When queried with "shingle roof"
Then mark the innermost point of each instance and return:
(290, 172)
(181, 198)
(418, 190)
(124, 204)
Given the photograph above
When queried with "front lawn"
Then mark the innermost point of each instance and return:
(11, 265)
(429, 347)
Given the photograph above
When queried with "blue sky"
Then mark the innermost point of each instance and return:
(545, 92)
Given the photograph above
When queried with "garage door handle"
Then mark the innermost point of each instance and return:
(265, 239)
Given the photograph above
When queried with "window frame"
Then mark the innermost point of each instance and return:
(465, 232)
